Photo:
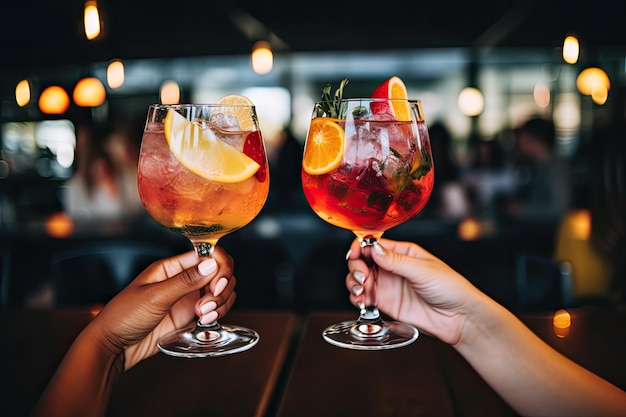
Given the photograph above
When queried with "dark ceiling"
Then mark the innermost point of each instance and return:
(40, 34)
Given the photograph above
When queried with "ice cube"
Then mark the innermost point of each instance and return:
(224, 122)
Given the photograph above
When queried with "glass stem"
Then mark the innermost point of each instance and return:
(205, 249)
(369, 315)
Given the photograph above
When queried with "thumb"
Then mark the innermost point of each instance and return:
(188, 280)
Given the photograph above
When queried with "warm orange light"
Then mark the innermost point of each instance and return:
(92, 19)
(59, 225)
(591, 79)
(95, 309)
(262, 58)
(580, 225)
(54, 100)
(469, 229)
(89, 92)
(571, 50)
(115, 74)
(562, 322)
(22, 93)
(599, 95)
(471, 101)
(170, 93)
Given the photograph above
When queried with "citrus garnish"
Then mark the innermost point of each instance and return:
(242, 114)
(393, 88)
(203, 153)
(324, 147)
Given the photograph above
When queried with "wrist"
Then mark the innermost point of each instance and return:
(104, 347)
(484, 320)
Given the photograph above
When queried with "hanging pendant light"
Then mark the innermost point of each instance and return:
(115, 74)
(571, 49)
(262, 58)
(22, 93)
(92, 19)
(170, 92)
(54, 100)
(89, 92)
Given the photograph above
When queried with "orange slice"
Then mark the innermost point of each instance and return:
(324, 146)
(242, 114)
(203, 153)
(393, 88)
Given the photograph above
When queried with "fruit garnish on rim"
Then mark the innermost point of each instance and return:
(240, 113)
(324, 146)
(392, 88)
(199, 150)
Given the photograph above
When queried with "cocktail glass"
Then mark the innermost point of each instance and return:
(366, 171)
(203, 173)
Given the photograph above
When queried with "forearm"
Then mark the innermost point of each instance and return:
(529, 375)
(82, 384)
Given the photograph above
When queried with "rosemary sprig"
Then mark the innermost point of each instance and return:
(330, 104)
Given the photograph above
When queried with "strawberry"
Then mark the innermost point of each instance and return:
(253, 147)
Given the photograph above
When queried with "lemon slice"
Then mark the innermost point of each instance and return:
(203, 153)
(242, 114)
(324, 146)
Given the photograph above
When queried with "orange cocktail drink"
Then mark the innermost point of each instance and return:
(201, 184)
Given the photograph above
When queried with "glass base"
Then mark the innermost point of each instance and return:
(361, 335)
(206, 341)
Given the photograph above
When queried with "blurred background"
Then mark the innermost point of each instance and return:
(76, 79)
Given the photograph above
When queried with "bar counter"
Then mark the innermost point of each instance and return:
(428, 377)
(293, 372)
(34, 342)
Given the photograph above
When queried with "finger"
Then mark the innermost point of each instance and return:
(186, 281)
(210, 303)
(227, 305)
(229, 287)
(354, 252)
(168, 267)
(218, 285)
(225, 262)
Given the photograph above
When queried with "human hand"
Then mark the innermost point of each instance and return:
(163, 298)
(413, 286)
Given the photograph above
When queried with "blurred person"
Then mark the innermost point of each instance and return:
(487, 178)
(417, 288)
(286, 166)
(449, 198)
(92, 192)
(163, 298)
(545, 192)
(122, 146)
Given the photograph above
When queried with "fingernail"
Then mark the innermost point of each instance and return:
(209, 317)
(208, 307)
(379, 249)
(207, 267)
(219, 286)
(359, 276)
(348, 254)
(357, 290)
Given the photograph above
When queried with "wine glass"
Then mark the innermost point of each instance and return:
(203, 173)
(366, 169)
